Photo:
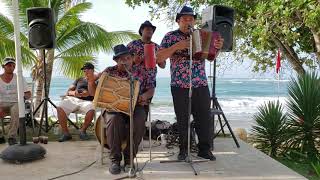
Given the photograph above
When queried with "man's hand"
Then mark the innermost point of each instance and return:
(142, 100)
(137, 59)
(162, 65)
(218, 43)
(84, 93)
(76, 93)
(181, 45)
(91, 77)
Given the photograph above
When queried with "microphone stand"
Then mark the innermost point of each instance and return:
(188, 158)
(132, 171)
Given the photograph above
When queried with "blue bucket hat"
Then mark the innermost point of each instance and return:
(186, 11)
(120, 50)
(146, 24)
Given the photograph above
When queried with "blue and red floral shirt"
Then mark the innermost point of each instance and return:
(146, 76)
(179, 63)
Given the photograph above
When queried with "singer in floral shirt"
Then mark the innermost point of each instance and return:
(175, 45)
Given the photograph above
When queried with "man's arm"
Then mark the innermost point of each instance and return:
(162, 65)
(145, 97)
(27, 92)
(92, 87)
(165, 53)
(72, 91)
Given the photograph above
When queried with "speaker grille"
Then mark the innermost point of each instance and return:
(226, 32)
(40, 36)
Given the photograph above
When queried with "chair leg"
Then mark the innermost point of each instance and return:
(150, 145)
(2, 124)
(77, 122)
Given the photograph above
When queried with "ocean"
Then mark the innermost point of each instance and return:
(239, 98)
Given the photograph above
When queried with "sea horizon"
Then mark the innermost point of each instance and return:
(239, 97)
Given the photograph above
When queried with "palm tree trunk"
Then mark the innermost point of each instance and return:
(50, 61)
(37, 73)
(39, 77)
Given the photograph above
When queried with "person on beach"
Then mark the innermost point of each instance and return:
(117, 123)
(79, 97)
(175, 46)
(146, 75)
(9, 98)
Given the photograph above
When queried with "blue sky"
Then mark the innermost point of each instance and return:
(115, 15)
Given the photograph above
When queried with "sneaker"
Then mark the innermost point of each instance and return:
(115, 168)
(2, 140)
(83, 136)
(12, 141)
(207, 155)
(182, 155)
(65, 137)
(126, 165)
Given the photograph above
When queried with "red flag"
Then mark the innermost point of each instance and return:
(278, 63)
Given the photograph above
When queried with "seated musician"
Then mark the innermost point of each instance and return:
(117, 124)
(79, 98)
(9, 98)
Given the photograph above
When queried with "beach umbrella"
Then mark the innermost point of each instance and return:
(23, 151)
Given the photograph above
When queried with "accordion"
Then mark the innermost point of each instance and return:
(203, 44)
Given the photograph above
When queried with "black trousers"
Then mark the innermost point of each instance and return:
(200, 110)
(117, 131)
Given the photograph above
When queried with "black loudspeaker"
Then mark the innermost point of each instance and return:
(41, 32)
(220, 18)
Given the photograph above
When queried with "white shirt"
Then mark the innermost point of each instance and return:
(9, 92)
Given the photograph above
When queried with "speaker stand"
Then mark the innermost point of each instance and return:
(45, 101)
(216, 110)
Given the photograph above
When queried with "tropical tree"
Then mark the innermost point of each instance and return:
(270, 131)
(304, 112)
(262, 27)
(77, 41)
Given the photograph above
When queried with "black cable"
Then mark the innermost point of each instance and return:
(69, 174)
(165, 156)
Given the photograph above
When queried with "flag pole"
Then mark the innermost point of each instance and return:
(278, 74)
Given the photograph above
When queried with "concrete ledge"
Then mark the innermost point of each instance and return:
(232, 163)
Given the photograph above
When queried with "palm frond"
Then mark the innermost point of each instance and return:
(70, 66)
(88, 38)
(7, 47)
(271, 128)
(304, 111)
(73, 13)
(7, 30)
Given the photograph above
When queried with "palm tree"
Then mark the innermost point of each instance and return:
(77, 41)
(304, 111)
(271, 129)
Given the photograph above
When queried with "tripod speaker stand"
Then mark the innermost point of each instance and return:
(45, 101)
(216, 110)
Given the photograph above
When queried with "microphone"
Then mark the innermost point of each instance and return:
(190, 28)
(126, 67)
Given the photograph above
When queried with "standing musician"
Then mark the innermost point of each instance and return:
(117, 124)
(145, 75)
(175, 46)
